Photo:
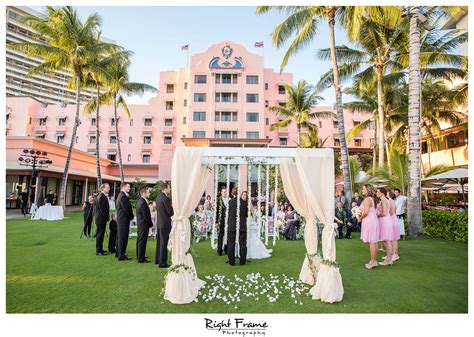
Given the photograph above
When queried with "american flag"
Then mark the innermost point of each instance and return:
(258, 44)
(185, 47)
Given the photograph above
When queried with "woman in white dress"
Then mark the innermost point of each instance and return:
(256, 249)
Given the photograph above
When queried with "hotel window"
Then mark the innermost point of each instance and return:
(92, 139)
(93, 122)
(185, 102)
(129, 157)
(283, 104)
(42, 121)
(266, 104)
(112, 156)
(226, 97)
(226, 78)
(252, 98)
(113, 139)
(112, 122)
(335, 124)
(199, 134)
(200, 79)
(266, 86)
(225, 134)
(199, 97)
(131, 122)
(358, 142)
(147, 140)
(41, 136)
(148, 122)
(184, 120)
(168, 121)
(252, 116)
(170, 88)
(60, 139)
(337, 142)
(185, 85)
(267, 121)
(281, 90)
(62, 121)
(199, 116)
(320, 124)
(169, 105)
(252, 135)
(226, 116)
(251, 79)
(145, 158)
(130, 140)
(167, 140)
(283, 141)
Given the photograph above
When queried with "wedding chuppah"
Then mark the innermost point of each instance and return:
(308, 183)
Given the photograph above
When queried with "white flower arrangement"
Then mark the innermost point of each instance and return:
(356, 211)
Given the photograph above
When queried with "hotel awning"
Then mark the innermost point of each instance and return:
(226, 110)
(59, 133)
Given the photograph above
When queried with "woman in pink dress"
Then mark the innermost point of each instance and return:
(370, 227)
(395, 226)
(385, 224)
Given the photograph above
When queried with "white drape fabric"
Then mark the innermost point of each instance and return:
(188, 181)
(309, 184)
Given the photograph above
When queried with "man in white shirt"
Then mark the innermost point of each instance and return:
(400, 204)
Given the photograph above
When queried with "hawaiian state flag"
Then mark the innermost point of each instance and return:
(185, 47)
(258, 44)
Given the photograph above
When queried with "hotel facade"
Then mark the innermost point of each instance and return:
(221, 99)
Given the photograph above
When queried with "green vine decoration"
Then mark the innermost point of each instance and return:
(177, 267)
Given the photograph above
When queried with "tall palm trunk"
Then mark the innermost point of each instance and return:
(374, 146)
(415, 226)
(119, 150)
(380, 104)
(62, 191)
(97, 137)
(340, 113)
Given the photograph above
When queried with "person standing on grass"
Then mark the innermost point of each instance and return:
(395, 227)
(400, 204)
(101, 218)
(124, 216)
(24, 202)
(370, 226)
(144, 223)
(88, 209)
(113, 234)
(221, 210)
(385, 224)
(341, 220)
(164, 211)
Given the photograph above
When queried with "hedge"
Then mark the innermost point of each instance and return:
(446, 225)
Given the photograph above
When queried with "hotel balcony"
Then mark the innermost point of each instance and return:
(168, 129)
(147, 129)
(40, 128)
(61, 129)
(112, 130)
(91, 147)
(111, 147)
(147, 147)
(92, 129)
(455, 157)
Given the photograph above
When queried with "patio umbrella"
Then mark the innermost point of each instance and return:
(456, 176)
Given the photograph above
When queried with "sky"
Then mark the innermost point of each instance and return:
(156, 34)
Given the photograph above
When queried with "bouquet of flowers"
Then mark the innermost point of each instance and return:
(356, 212)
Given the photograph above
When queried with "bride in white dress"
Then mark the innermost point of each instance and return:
(256, 249)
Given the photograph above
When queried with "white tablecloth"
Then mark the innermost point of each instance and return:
(48, 212)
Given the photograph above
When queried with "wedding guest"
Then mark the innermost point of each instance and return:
(199, 222)
(281, 214)
(102, 217)
(164, 211)
(232, 227)
(286, 206)
(370, 226)
(220, 220)
(291, 222)
(357, 199)
(88, 210)
(355, 209)
(208, 203)
(400, 203)
(341, 220)
(385, 223)
(49, 197)
(144, 223)
(340, 197)
(24, 202)
(55, 199)
(153, 218)
(395, 227)
(124, 216)
(113, 234)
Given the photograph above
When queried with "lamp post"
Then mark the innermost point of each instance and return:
(36, 159)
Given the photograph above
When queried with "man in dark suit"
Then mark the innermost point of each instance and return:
(124, 216)
(24, 202)
(220, 220)
(232, 228)
(357, 199)
(101, 218)
(164, 212)
(144, 224)
(49, 197)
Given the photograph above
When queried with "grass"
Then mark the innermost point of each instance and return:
(51, 270)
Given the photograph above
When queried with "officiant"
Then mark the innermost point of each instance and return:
(232, 228)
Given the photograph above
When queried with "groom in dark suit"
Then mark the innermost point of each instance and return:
(101, 218)
(144, 224)
(164, 212)
(232, 228)
(124, 216)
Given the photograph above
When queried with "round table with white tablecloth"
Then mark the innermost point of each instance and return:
(49, 212)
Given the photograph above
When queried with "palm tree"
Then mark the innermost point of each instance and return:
(70, 45)
(299, 108)
(311, 139)
(97, 76)
(397, 176)
(116, 89)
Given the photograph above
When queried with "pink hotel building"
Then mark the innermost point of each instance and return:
(221, 99)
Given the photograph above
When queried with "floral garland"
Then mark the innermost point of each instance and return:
(259, 202)
(237, 229)
(227, 204)
(326, 262)
(177, 267)
(215, 208)
(249, 199)
(275, 229)
(267, 201)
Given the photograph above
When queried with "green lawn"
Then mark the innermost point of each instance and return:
(49, 269)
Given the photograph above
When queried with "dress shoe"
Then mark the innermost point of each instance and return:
(101, 254)
(219, 253)
(144, 261)
(127, 257)
(165, 266)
